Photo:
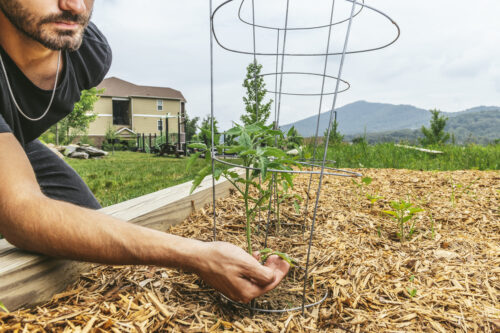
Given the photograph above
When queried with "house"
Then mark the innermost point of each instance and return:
(131, 110)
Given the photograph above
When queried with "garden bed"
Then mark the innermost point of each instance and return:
(445, 278)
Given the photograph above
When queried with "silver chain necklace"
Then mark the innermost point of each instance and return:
(14, 98)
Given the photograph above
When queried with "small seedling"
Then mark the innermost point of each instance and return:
(433, 230)
(412, 291)
(266, 253)
(365, 181)
(403, 212)
(458, 190)
(373, 199)
(2, 307)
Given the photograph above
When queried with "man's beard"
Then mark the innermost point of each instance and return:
(35, 27)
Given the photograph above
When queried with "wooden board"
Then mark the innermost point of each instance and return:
(27, 278)
(420, 149)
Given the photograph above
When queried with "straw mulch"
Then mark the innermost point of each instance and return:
(444, 279)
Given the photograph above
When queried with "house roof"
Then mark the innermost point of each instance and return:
(115, 87)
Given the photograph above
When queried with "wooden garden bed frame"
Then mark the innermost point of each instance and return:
(27, 279)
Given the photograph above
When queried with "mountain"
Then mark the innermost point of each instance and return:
(388, 121)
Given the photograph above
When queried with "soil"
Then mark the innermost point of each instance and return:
(445, 278)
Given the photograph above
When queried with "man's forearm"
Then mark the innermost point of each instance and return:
(61, 229)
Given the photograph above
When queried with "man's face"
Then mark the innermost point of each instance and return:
(56, 24)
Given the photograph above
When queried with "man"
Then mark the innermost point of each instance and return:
(49, 53)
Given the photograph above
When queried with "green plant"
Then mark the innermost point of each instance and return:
(2, 307)
(78, 121)
(373, 199)
(266, 253)
(256, 110)
(253, 147)
(403, 213)
(205, 134)
(293, 138)
(435, 135)
(281, 192)
(458, 190)
(190, 126)
(365, 181)
(110, 134)
(412, 291)
(335, 137)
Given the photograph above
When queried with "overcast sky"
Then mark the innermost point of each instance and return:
(448, 55)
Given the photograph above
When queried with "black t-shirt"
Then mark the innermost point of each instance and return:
(84, 69)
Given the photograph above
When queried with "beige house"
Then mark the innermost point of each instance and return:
(132, 110)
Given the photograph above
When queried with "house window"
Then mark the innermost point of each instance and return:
(159, 105)
(121, 112)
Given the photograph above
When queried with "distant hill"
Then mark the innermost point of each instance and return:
(388, 122)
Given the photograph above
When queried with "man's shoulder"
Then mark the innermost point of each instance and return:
(93, 35)
(92, 60)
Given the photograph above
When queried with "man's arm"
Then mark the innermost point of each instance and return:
(34, 222)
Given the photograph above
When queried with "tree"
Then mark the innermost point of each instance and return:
(435, 135)
(190, 126)
(78, 121)
(205, 135)
(335, 137)
(255, 108)
(293, 138)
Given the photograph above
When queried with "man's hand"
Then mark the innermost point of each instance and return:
(237, 274)
(31, 221)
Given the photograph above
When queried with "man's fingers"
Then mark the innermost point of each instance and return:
(269, 276)
(280, 269)
(261, 275)
(257, 255)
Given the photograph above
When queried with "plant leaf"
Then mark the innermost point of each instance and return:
(218, 172)
(367, 180)
(199, 177)
(2, 306)
(390, 212)
(198, 145)
(407, 218)
(296, 206)
(248, 152)
(235, 131)
(245, 141)
(192, 159)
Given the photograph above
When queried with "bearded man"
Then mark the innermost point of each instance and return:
(49, 52)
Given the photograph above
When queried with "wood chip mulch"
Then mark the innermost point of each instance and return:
(446, 278)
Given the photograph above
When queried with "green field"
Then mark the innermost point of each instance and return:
(387, 155)
(127, 175)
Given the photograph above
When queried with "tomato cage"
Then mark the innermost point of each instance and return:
(277, 33)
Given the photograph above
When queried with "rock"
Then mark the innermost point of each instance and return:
(93, 152)
(68, 150)
(80, 155)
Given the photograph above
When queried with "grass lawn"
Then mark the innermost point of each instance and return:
(387, 155)
(127, 175)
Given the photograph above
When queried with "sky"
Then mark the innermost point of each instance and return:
(447, 56)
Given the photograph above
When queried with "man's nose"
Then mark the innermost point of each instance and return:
(74, 6)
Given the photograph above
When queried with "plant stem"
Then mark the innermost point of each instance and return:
(401, 223)
(247, 213)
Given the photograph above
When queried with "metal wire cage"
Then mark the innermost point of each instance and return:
(242, 10)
